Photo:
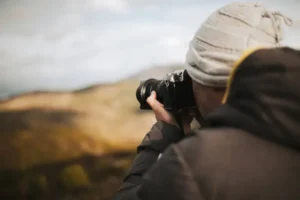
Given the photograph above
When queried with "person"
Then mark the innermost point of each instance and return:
(226, 159)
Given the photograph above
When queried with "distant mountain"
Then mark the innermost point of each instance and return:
(41, 133)
(98, 108)
(93, 130)
(157, 72)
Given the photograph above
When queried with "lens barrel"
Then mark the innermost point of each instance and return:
(144, 91)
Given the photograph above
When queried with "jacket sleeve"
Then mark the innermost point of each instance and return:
(170, 178)
(155, 142)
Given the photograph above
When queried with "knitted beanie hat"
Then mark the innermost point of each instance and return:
(226, 34)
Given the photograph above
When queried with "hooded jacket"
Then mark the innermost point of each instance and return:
(251, 149)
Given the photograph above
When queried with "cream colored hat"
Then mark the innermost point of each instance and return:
(224, 36)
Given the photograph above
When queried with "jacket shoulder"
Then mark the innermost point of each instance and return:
(202, 151)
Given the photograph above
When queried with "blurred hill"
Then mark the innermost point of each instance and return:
(157, 72)
(92, 132)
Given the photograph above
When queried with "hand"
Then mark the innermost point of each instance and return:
(162, 114)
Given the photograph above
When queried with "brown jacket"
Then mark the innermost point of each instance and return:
(251, 149)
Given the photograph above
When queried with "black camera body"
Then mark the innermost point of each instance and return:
(175, 92)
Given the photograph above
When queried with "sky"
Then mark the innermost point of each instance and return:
(69, 44)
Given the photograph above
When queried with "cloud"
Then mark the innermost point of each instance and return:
(171, 42)
(90, 55)
(66, 44)
(116, 6)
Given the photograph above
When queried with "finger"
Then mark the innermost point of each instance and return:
(151, 100)
(187, 120)
(153, 103)
(160, 112)
(158, 109)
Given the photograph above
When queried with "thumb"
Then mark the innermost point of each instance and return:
(151, 100)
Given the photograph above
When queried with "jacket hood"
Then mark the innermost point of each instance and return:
(263, 96)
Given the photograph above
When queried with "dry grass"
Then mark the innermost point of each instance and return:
(104, 120)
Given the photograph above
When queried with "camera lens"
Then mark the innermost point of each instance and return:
(145, 89)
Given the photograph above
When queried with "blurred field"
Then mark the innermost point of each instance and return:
(69, 145)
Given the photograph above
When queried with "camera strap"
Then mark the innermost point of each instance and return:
(178, 119)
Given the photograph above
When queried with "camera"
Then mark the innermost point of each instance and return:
(174, 91)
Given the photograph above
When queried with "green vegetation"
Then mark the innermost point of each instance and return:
(74, 178)
(83, 178)
(37, 186)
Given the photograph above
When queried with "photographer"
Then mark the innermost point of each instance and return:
(246, 148)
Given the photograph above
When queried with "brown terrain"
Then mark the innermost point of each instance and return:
(70, 145)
